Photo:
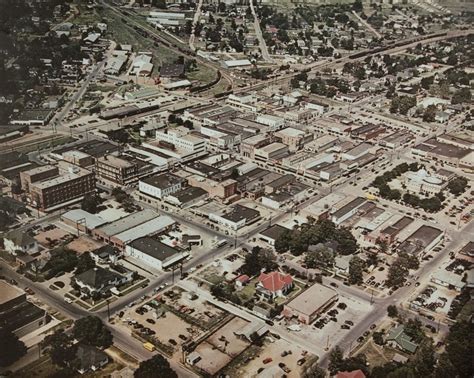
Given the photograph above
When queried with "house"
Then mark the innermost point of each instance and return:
(105, 255)
(19, 241)
(89, 359)
(274, 284)
(99, 280)
(241, 281)
(351, 374)
(397, 338)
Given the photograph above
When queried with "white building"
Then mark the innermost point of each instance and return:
(20, 241)
(273, 122)
(180, 138)
(155, 254)
(161, 185)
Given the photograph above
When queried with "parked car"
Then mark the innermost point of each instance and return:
(267, 360)
(151, 321)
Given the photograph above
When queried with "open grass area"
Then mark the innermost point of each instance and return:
(43, 367)
(203, 74)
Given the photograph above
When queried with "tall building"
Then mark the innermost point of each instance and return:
(49, 188)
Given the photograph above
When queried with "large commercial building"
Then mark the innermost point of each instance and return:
(161, 186)
(16, 313)
(121, 170)
(306, 306)
(134, 226)
(155, 254)
(49, 188)
(421, 241)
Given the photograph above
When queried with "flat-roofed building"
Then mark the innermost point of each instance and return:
(271, 151)
(389, 234)
(347, 210)
(154, 253)
(310, 303)
(421, 241)
(107, 231)
(121, 170)
(161, 186)
(63, 186)
(17, 315)
(239, 216)
(293, 138)
(82, 220)
(272, 233)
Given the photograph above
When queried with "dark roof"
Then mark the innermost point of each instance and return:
(89, 356)
(163, 181)
(189, 194)
(172, 70)
(94, 148)
(6, 129)
(97, 277)
(20, 315)
(399, 225)
(240, 212)
(20, 238)
(154, 248)
(468, 249)
(349, 207)
(274, 232)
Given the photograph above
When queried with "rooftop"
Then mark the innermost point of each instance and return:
(154, 248)
(8, 292)
(312, 299)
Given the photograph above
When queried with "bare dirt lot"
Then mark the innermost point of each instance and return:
(221, 347)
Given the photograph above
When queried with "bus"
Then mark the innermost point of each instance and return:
(149, 346)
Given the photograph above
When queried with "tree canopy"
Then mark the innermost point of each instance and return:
(157, 366)
(91, 331)
(11, 348)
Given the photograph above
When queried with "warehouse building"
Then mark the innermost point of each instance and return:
(155, 254)
(306, 306)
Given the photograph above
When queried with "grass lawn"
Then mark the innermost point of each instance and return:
(203, 74)
(42, 367)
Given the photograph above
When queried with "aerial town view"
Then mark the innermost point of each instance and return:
(237, 188)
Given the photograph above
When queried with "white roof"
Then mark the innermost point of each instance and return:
(237, 63)
(177, 84)
(89, 220)
(153, 226)
(290, 132)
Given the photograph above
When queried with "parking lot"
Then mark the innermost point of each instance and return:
(276, 354)
(335, 322)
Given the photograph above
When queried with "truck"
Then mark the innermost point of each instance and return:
(149, 346)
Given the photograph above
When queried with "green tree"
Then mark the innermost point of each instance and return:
(392, 311)
(461, 96)
(91, 331)
(258, 259)
(397, 274)
(429, 114)
(90, 203)
(458, 185)
(62, 348)
(356, 270)
(321, 256)
(425, 360)
(84, 263)
(157, 366)
(11, 348)
(456, 361)
(378, 338)
(336, 360)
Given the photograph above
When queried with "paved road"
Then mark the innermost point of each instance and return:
(197, 15)
(367, 25)
(58, 119)
(258, 32)
(379, 311)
